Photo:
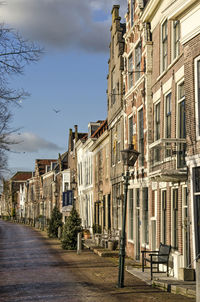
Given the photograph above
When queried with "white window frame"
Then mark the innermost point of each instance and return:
(141, 108)
(138, 230)
(172, 216)
(129, 213)
(155, 119)
(130, 71)
(138, 71)
(178, 106)
(185, 221)
(145, 223)
(130, 117)
(154, 218)
(118, 143)
(165, 112)
(197, 98)
(162, 224)
(163, 68)
(174, 54)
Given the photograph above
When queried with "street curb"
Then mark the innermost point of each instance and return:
(175, 289)
(167, 286)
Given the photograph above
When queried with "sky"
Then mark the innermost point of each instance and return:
(70, 76)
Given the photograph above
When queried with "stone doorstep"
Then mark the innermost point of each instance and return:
(101, 251)
(175, 289)
(106, 253)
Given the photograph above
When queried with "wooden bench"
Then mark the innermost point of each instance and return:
(157, 257)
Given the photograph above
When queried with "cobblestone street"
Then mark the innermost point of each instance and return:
(34, 268)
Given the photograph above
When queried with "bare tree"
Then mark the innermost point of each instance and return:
(15, 53)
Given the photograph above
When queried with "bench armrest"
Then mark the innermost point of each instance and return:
(145, 252)
(154, 255)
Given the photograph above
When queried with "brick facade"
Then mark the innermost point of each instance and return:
(115, 116)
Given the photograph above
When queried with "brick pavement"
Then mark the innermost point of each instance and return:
(35, 268)
(102, 273)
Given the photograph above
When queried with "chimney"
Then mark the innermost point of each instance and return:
(59, 162)
(76, 132)
(70, 142)
(115, 13)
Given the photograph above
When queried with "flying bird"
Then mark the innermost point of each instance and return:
(56, 111)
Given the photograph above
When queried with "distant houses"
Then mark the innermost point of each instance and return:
(153, 101)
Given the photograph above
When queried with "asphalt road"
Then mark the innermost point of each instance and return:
(34, 268)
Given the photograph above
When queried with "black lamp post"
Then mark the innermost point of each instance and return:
(34, 213)
(129, 157)
(42, 213)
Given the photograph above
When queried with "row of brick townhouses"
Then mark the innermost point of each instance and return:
(153, 101)
(34, 194)
(158, 108)
(161, 114)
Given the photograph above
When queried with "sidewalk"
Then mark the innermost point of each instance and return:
(169, 284)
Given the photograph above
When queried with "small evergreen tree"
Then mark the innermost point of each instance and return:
(54, 223)
(71, 228)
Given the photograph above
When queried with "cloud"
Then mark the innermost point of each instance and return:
(30, 142)
(63, 23)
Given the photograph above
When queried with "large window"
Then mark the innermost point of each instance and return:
(130, 71)
(118, 144)
(138, 56)
(130, 130)
(168, 116)
(113, 148)
(176, 39)
(145, 216)
(157, 121)
(141, 136)
(197, 95)
(181, 110)
(164, 217)
(186, 227)
(175, 218)
(157, 130)
(168, 123)
(131, 209)
(181, 125)
(164, 46)
(196, 176)
(138, 223)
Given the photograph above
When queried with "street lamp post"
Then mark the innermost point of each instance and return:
(42, 213)
(129, 157)
(34, 214)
